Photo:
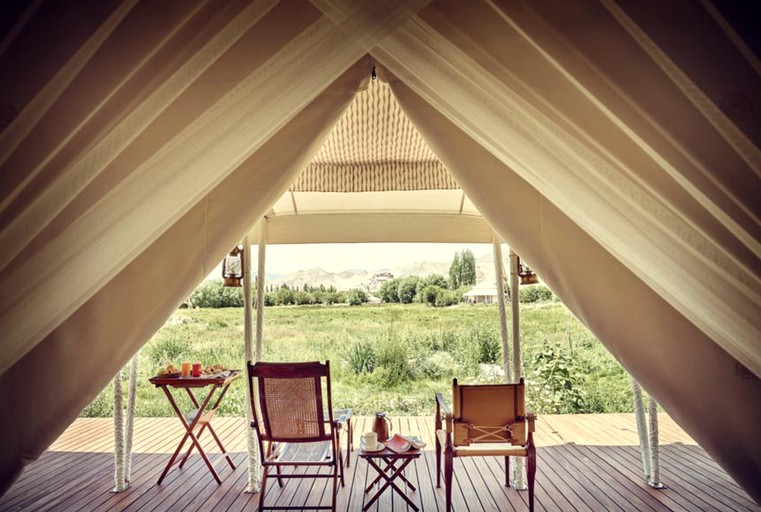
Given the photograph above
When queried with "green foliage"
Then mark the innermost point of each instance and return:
(446, 298)
(211, 294)
(439, 365)
(535, 293)
(356, 297)
(467, 268)
(407, 288)
(404, 354)
(360, 357)
(394, 366)
(554, 383)
(428, 294)
(454, 271)
(389, 291)
(462, 271)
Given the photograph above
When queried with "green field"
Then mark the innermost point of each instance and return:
(393, 357)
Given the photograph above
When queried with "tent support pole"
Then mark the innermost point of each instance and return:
(130, 426)
(122, 432)
(648, 438)
(119, 481)
(252, 459)
(498, 273)
(518, 463)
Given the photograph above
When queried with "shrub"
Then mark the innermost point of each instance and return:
(535, 293)
(554, 388)
(361, 357)
(439, 365)
(407, 288)
(211, 294)
(428, 294)
(446, 298)
(355, 297)
(389, 291)
(393, 361)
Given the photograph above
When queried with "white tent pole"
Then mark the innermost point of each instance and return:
(260, 289)
(119, 482)
(655, 463)
(517, 463)
(129, 427)
(498, 273)
(639, 416)
(516, 308)
(248, 334)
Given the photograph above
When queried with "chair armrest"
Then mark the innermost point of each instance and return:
(443, 409)
(531, 418)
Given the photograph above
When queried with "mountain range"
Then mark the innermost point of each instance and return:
(361, 278)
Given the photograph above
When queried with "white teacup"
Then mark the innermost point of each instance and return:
(371, 441)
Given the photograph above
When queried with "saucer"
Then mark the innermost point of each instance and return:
(380, 447)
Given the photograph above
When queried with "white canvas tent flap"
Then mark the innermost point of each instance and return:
(140, 140)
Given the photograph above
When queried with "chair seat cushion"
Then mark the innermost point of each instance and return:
(294, 453)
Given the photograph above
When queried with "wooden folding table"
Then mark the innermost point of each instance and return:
(388, 473)
(198, 419)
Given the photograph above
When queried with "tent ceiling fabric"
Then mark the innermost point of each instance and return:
(375, 180)
(374, 147)
(616, 145)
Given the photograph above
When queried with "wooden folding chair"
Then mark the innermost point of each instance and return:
(295, 423)
(488, 420)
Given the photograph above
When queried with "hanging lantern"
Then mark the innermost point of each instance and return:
(232, 267)
(527, 275)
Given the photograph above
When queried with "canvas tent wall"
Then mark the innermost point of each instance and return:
(140, 140)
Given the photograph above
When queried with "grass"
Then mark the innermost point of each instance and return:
(392, 357)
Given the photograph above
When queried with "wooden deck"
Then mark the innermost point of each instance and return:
(585, 463)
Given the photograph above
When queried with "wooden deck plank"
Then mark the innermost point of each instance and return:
(585, 463)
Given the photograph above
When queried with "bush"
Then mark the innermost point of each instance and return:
(389, 291)
(407, 288)
(393, 363)
(211, 294)
(554, 388)
(356, 297)
(361, 357)
(439, 365)
(535, 293)
(428, 294)
(445, 298)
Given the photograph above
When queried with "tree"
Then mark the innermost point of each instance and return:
(389, 291)
(356, 296)
(407, 289)
(454, 271)
(467, 268)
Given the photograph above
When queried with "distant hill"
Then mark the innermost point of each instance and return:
(359, 278)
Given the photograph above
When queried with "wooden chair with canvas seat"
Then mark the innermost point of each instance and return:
(295, 421)
(487, 420)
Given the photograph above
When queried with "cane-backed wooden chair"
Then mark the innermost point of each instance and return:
(295, 424)
(487, 420)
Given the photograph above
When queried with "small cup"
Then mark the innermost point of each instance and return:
(371, 441)
(185, 368)
(196, 369)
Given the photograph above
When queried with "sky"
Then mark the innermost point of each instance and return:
(286, 258)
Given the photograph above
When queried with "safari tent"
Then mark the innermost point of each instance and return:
(614, 144)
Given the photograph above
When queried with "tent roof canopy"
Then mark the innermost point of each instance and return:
(375, 180)
(141, 140)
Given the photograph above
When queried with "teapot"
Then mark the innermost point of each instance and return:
(380, 427)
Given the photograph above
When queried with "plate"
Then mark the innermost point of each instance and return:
(169, 375)
(380, 447)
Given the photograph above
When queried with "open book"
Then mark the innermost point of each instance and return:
(401, 444)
